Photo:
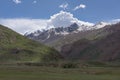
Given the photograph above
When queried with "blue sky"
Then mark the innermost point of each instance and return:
(95, 10)
(30, 15)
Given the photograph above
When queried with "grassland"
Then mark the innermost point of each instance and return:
(15, 47)
(49, 73)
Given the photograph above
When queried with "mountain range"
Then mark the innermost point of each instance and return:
(65, 37)
(54, 37)
(98, 45)
(80, 42)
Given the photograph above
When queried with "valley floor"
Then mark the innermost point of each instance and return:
(47, 73)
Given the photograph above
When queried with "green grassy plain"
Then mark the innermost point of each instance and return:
(50, 73)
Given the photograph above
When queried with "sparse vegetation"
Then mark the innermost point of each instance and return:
(17, 48)
(24, 59)
(49, 73)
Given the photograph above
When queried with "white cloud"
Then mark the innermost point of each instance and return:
(79, 7)
(64, 19)
(35, 2)
(64, 6)
(61, 19)
(24, 25)
(115, 20)
(17, 1)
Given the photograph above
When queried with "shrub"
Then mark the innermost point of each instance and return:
(69, 65)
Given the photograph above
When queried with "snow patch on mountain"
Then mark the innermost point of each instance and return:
(101, 25)
(115, 21)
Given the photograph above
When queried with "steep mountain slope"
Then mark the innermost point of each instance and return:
(88, 34)
(59, 36)
(101, 48)
(52, 34)
(14, 47)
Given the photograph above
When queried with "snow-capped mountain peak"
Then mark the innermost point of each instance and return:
(53, 32)
(101, 25)
(65, 19)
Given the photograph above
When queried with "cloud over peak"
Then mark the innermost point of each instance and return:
(61, 19)
(64, 19)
